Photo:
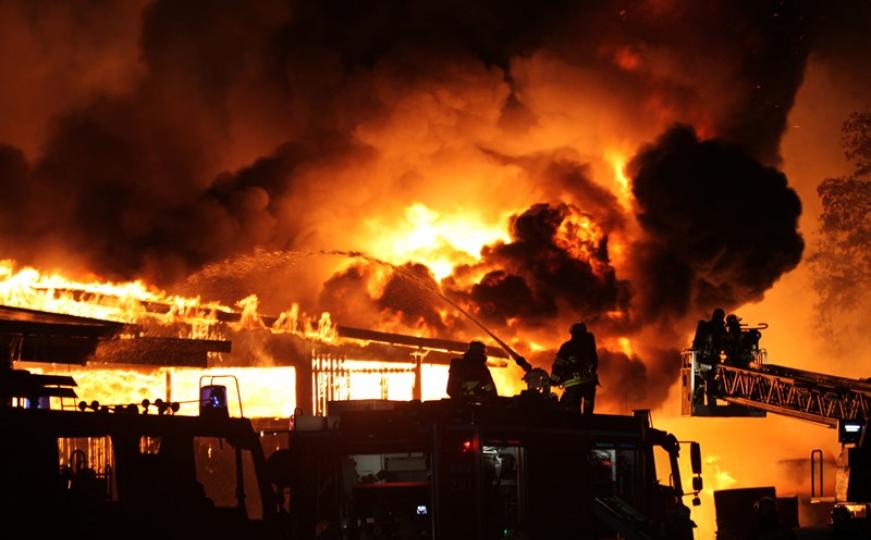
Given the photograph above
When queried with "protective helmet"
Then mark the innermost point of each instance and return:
(718, 314)
(476, 347)
(578, 328)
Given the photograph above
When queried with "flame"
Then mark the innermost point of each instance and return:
(136, 302)
(440, 241)
(125, 302)
(266, 392)
(720, 478)
(617, 159)
(579, 235)
(626, 346)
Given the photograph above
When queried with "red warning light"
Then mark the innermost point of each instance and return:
(467, 446)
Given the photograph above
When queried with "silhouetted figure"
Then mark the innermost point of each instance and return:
(710, 338)
(469, 377)
(737, 352)
(575, 369)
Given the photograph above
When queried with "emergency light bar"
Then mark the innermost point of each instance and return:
(213, 401)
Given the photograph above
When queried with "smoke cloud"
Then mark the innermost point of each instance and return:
(721, 227)
(189, 133)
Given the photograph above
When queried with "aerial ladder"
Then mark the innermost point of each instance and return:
(753, 387)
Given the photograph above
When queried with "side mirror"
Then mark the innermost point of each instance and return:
(697, 483)
(696, 457)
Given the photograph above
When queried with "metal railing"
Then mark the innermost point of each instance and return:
(809, 396)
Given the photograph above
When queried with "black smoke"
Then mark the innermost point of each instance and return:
(209, 129)
(721, 227)
(627, 381)
(544, 272)
(148, 169)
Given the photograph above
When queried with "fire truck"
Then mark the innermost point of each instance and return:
(114, 472)
(506, 468)
(712, 385)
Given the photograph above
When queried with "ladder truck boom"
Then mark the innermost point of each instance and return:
(746, 385)
(767, 388)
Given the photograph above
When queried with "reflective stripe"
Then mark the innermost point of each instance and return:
(578, 379)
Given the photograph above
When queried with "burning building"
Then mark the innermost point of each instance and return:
(632, 165)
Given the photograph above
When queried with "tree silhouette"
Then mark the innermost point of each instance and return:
(841, 261)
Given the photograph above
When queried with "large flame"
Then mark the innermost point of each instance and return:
(441, 241)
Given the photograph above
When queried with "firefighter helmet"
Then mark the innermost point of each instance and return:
(476, 347)
(578, 328)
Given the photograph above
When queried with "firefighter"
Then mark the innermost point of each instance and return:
(575, 369)
(709, 341)
(710, 337)
(469, 377)
(734, 346)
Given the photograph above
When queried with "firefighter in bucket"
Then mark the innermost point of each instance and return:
(575, 370)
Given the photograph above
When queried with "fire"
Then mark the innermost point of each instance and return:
(125, 302)
(439, 241)
(136, 302)
(579, 235)
(266, 392)
(625, 346)
(617, 160)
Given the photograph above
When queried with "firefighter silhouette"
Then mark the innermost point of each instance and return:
(711, 337)
(735, 349)
(575, 369)
(469, 377)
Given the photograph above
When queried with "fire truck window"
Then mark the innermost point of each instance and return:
(388, 494)
(149, 445)
(603, 471)
(215, 461)
(614, 472)
(503, 494)
(380, 468)
(87, 466)
(663, 466)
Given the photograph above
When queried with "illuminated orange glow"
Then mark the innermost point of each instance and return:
(129, 302)
(579, 236)
(441, 241)
(122, 302)
(626, 346)
(267, 392)
(617, 160)
(627, 59)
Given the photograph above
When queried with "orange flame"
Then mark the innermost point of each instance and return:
(440, 241)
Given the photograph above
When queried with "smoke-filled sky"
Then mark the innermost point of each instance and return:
(615, 162)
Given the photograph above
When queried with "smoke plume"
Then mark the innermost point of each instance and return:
(721, 227)
(158, 139)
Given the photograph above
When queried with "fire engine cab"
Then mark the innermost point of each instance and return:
(125, 471)
(508, 468)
